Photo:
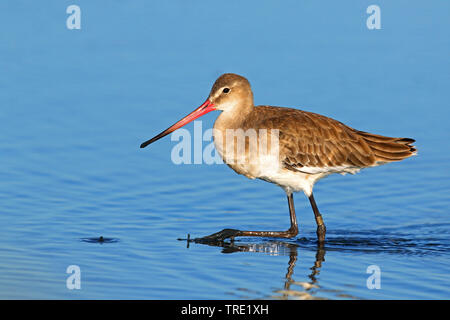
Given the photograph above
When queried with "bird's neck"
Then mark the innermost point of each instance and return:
(233, 119)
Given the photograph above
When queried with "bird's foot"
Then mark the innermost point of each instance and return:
(219, 236)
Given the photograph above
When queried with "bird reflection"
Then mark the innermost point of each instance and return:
(307, 289)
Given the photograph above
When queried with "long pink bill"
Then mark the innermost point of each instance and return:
(206, 107)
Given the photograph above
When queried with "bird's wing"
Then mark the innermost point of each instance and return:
(312, 143)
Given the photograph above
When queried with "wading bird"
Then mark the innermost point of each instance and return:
(308, 147)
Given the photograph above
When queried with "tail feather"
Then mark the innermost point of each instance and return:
(388, 149)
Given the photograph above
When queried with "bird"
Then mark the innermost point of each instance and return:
(295, 148)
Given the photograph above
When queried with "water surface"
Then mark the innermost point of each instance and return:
(76, 104)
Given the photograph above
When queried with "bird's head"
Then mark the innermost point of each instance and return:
(229, 93)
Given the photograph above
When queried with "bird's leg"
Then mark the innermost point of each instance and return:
(321, 229)
(232, 233)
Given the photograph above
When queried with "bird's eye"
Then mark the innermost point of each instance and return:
(226, 90)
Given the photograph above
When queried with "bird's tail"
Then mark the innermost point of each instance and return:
(388, 149)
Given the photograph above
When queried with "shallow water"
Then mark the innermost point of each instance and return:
(76, 104)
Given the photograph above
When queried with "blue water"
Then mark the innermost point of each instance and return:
(76, 104)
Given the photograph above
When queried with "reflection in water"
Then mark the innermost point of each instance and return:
(292, 293)
(362, 241)
(284, 249)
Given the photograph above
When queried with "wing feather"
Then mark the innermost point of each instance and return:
(311, 142)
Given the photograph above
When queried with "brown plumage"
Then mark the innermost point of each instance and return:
(308, 147)
(312, 140)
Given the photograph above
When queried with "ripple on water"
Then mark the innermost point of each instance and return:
(100, 240)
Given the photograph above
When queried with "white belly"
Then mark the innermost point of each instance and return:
(292, 181)
(269, 168)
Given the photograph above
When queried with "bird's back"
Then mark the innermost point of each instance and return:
(313, 143)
